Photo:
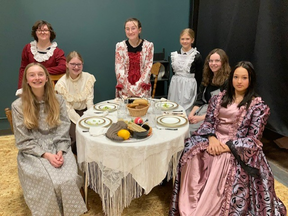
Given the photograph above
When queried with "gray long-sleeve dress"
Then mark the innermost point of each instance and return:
(47, 190)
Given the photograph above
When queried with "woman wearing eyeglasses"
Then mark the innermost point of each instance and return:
(43, 50)
(77, 88)
(215, 73)
(133, 62)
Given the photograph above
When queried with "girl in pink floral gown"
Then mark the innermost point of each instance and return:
(133, 62)
(223, 170)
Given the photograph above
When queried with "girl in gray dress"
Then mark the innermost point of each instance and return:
(46, 166)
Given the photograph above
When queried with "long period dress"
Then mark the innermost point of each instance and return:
(185, 82)
(133, 69)
(236, 183)
(47, 190)
(79, 96)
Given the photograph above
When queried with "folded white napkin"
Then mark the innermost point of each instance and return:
(164, 99)
(97, 131)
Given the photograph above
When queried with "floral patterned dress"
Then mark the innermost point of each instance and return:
(133, 69)
(236, 183)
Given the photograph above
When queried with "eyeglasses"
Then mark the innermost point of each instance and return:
(74, 65)
(215, 61)
(42, 31)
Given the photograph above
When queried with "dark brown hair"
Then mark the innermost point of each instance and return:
(38, 24)
(222, 75)
(133, 20)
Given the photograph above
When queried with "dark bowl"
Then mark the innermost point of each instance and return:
(141, 135)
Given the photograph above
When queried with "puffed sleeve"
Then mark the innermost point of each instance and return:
(246, 149)
(198, 70)
(120, 62)
(146, 72)
(63, 90)
(90, 89)
(25, 141)
(208, 126)
(62, 138)
(60, 60)
(199, 101)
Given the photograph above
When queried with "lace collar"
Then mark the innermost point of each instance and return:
(40, 57)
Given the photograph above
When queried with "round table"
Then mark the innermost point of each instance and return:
(122, 171)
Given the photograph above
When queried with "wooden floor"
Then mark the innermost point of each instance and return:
(156, 203)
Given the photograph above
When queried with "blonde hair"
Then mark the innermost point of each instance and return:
(188, 31)
(71, 55)
(222, 75)
(30, 104)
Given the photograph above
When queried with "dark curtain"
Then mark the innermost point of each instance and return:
(253, 30)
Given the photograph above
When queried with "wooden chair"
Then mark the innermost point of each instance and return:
(8, 113)
(55, 78)
(155, 71)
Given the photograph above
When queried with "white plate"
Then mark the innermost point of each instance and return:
(110, 107)
(166, 105)
(95, 121)
(171, 121)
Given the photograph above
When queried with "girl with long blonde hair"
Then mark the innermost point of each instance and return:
(46, 165)
(31, 107)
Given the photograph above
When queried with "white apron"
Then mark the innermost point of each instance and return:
(183, 85)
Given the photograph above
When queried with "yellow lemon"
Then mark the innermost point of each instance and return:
(125, 134)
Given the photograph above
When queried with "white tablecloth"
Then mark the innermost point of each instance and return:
(118, 169)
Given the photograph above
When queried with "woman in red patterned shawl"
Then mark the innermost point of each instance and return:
(133, 62)
(223, 170)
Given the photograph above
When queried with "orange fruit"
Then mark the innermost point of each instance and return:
(125, 134)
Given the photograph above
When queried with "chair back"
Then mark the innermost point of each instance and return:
(155, 71)
(8, 113)
(55, 77)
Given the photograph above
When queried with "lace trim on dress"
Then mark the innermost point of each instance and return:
(180, 64)
(40, 57)
(70, 98)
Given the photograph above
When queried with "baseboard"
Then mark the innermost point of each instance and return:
(279, 173)
(5, 132)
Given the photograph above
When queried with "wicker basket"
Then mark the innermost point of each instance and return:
(139, 111)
